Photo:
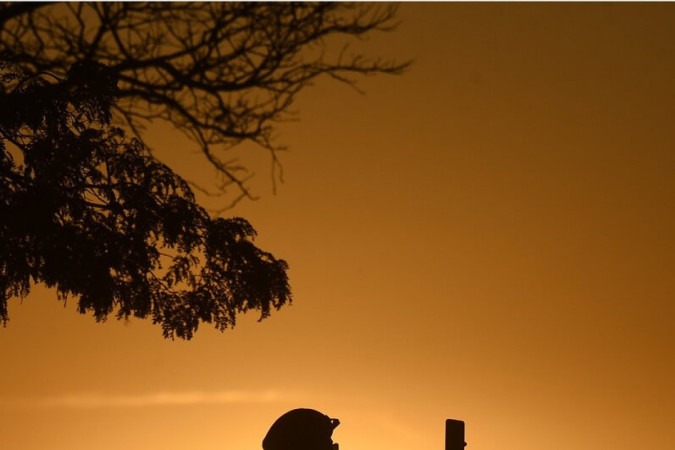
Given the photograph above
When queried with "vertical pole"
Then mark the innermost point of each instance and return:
(454, 435)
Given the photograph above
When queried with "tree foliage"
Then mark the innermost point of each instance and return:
(93, 214)
(86, 208)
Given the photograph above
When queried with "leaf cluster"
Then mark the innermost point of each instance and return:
(90, 212)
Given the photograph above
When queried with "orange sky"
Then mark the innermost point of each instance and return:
(488, 237)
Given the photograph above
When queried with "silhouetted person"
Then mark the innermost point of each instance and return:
(301, 429)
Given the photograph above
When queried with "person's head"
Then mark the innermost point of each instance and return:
(301, 429)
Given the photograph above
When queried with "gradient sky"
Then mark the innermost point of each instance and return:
(488, 237)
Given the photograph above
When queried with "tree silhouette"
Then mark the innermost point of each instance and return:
(223, 73)
(91, 211)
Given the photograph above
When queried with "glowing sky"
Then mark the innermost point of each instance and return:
(488, 237)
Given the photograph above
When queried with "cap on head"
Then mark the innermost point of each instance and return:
(301, 429)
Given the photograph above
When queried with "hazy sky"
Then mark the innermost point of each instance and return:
(488, 237)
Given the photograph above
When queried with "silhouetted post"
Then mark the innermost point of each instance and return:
(454, 435)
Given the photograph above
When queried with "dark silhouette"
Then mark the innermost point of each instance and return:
(93, 214)
(454, 434)
(90, 211)
(308, 429)
(301, 429)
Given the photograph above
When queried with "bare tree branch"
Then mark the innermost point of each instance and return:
(223, 73)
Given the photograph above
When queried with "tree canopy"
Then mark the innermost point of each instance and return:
(87, 208)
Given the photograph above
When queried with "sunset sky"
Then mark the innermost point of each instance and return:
(488, 237)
